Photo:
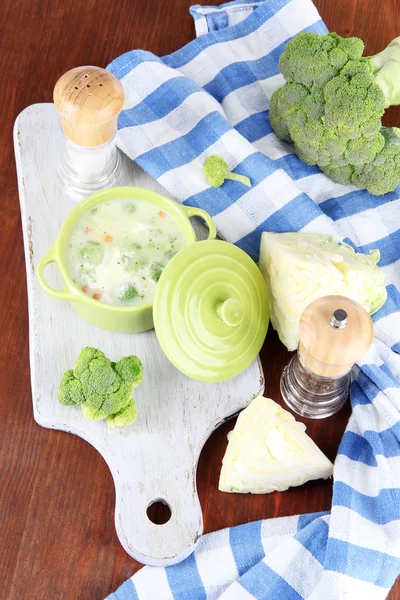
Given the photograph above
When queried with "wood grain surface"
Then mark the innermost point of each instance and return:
(56, 494)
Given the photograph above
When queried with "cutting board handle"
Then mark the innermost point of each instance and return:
(173, 483)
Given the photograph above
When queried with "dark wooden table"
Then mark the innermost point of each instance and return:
(57, 536)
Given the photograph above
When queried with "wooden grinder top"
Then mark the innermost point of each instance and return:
(89, 100)
(334, 333)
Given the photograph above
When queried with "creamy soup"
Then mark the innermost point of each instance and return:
(117, 251)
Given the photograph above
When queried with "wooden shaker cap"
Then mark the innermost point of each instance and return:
(89, 100)
(329, 350)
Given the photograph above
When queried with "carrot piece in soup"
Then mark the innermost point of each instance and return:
(108, 238)
(85, 288)
(96, 296)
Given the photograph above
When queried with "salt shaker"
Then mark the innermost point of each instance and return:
(89, 100)
(334, 333)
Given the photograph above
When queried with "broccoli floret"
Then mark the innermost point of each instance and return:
(116, 401)
(156, 232)
(340, 174)
(133, 264)
(155, 271)
(129, 207)
(353, 104)
(129, 245)
(102, 387)
(127, 293)
(331, 106)
(383, 172)
(93, 414)
(284, 101)
(70, 391)
(215, 168)
(313, 59)
(85, 357)
(125, 417)
(130, 369)
(92, 252)
(170, 254)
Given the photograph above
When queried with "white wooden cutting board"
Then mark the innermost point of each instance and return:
(156, 457)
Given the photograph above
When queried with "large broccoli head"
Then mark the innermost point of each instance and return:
(331, 106)
(102, 387)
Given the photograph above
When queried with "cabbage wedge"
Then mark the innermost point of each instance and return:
(301, 267)
(269, 451)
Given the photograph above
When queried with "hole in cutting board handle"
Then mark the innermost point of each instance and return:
(159, 511)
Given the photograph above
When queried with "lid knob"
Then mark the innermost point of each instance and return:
(334, 333)
(88, 100)
(231, 312)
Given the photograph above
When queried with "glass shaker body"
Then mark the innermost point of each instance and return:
(312, 395)
(87, 169)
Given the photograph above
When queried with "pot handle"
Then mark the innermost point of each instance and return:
(64, 294)
(193, 211)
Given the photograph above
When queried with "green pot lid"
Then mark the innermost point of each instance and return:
(211, 310)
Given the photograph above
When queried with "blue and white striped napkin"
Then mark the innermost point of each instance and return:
(212, 96)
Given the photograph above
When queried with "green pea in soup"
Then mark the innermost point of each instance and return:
(117, 251)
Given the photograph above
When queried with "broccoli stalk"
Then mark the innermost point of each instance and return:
(330, 108)
(101, 387)
(215, 168)
(386, 70)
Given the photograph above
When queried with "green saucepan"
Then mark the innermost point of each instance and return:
(123, 319)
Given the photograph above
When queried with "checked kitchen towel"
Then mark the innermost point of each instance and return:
(212, 96)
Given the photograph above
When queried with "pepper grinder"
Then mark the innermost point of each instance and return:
(334, 333)
(89, 100)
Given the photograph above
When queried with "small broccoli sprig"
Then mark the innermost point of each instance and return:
(215, 168)
(103, 388)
